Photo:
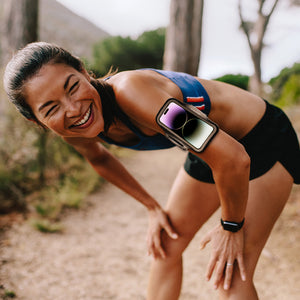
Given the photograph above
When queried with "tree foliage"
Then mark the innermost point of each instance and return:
(33, 160)
(286, 86)
(128, 54)
(241, 81)
(290, 92)
(67, 178)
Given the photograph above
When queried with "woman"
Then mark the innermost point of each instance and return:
(248, 168)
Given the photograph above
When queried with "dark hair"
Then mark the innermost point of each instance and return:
(110, 108)
(28, 61)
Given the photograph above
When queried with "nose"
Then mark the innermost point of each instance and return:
(72, 108)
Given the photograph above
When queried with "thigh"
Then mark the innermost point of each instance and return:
(268, 195)
(190, 204)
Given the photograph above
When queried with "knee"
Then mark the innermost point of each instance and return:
(252, 249)
(174, 248)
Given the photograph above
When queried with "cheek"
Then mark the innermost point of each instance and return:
(55, 123)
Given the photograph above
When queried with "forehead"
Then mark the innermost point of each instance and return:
(52, 71)
(47, 82)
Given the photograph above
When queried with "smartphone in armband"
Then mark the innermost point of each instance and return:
(185, 125)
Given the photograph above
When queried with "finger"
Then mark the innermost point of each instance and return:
(228, 275)
(150, 246)
(153, 252)
(240, 260)
(159, 251)
(170, 231)
(205, 240)
(219, 273)
(210, 267)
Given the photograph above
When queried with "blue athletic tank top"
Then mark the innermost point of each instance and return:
(193, 93)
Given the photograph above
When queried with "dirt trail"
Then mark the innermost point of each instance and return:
(102, 252)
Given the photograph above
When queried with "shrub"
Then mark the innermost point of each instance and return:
(290, 91)
(284, 86)
(241, 81)
(128, 54)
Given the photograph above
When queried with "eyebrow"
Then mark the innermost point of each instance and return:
(51, 101)
(67, 81)
(45, 104)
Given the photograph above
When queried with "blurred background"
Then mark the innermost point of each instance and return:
(252, 44)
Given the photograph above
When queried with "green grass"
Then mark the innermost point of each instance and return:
(9, 294)
(46, 226)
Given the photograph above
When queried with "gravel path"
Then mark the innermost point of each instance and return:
(101, 253)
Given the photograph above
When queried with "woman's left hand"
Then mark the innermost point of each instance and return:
(227, 248)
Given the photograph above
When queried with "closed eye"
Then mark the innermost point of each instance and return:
(73, 86)
(50, 110)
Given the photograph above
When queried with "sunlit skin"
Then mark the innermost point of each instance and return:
(64, 101)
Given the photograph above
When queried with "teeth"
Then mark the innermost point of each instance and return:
(84, 119)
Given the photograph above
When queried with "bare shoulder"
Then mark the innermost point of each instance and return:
(142, 83)
(141, 94)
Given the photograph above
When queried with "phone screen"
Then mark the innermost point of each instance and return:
(183, 123)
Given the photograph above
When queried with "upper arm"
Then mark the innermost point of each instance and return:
(141, 98)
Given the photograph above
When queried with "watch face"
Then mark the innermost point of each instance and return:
(232, 226)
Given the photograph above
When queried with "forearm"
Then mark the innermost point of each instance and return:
(111, 169)
(230, 165)
(232, 185)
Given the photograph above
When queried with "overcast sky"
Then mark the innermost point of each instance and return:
(224, 47)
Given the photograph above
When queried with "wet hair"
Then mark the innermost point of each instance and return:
(27, 62)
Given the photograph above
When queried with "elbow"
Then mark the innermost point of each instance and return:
(240, 160)
(236, 161)
(245, 162)
(242, 156)
(227, 158)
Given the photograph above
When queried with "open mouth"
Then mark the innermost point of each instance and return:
(84, 121)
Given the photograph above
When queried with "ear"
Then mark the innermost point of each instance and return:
(86, 74)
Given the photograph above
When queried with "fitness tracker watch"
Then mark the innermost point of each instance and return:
(232, 226)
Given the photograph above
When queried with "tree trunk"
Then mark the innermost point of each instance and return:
(183, 37)
(20, 25)
(255, 33)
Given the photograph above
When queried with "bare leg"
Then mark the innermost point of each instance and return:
(267, 196)
(190, 204)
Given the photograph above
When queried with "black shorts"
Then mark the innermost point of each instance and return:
(272, 139)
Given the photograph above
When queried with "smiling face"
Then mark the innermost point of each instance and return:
(64, 101)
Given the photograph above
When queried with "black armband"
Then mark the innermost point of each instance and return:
(186, 126)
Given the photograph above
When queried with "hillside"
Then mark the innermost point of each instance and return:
(61, 26)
